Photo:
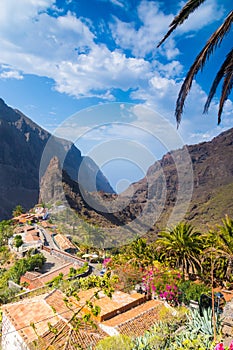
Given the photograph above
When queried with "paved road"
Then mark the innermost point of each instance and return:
(48, 239)
(52, 262)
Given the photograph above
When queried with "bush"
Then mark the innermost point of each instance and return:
(116, 342)
(192, 291)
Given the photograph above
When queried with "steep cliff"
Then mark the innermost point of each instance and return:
(22, 143)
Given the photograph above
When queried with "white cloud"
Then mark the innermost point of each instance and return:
(120, 3)
(141, 41)
(65, 49)
(209, 12)
(11, 74)
(100, 70)
(195, 127)
(117, 3)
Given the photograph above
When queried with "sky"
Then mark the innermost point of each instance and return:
(90, 71)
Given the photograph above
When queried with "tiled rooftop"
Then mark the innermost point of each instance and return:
(32, 274)
(69, 339)
(31, 238)
(111, 306)
(63, 242)
(50, 307)
(56, 300)
(41, 279)
(46, 224)
(137, 320)
(24, 313)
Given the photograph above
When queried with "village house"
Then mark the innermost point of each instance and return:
(65, 244)
(31, 236)
(39, 214)
(34, 279)
(25, 320)
(129, 314)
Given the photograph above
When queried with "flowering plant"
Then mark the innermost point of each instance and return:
(106, 261)
(220, 346)
(162, 281)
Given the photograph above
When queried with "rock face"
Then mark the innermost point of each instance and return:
(22, 143)
(154, 198)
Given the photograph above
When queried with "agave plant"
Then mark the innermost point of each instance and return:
(197, 333)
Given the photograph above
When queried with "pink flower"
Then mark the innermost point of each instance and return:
(106, 261)
(231, 345)
(219, 347)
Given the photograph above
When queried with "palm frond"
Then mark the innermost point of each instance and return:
(184, 13)
(226, 88)
(214, 41)
(225, 67)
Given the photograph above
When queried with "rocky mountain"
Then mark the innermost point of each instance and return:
(206, 184)
(22, 144)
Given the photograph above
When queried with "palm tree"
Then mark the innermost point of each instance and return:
(226, 239)
(139, 253)
(6, 231)
(18, 210)
(180, 246)
(225, 72)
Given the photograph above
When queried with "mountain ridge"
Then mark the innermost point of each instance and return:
(212, 176)
(22, 145)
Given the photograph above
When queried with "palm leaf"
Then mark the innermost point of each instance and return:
(226, 66)
(214, 41)
(226, 88)
(189, 7)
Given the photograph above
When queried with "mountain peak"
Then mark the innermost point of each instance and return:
(24, 157)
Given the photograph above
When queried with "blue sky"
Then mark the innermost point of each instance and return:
(60, 57)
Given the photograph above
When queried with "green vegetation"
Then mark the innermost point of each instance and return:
(75, 272)
(61, 282)
(192, 291)
(18, 241)
(56, 281)
(115, 343)
(18, 211)
(16, 271)
(6, 231)
(184, 330)
(180, 247)
(181, 265)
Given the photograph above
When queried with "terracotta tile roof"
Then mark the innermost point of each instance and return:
(120, 302)
(46, 224)
(50, 307)
(63, 242)
(31, 275)
(65, 269)
(34, 232)
(69, 339)
(34, 310)
(41, 279)
(56, 300)
(31, 238)
(137, 320)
